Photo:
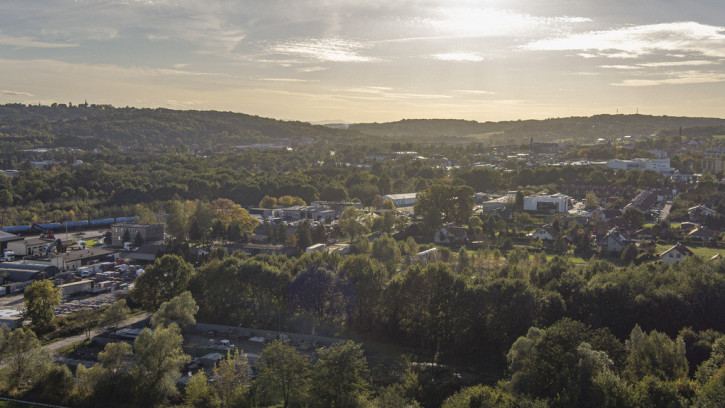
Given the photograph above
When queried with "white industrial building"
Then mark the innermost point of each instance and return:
(661, 166)
(547, 203)
(402, 200)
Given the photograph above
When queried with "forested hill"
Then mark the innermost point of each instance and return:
(90, 126)
(573, 129)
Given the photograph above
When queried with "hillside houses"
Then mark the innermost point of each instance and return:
(614, 241)
(702, 233)
(545, 233)
(676, 254)
(451, 234)
(699, 213)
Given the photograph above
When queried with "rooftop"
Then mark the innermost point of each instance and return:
(7, 237)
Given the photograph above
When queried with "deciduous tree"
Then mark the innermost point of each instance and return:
(159, 357)
(340, 376)
(180, 309)
(283, 372)
(169, 276)
(41, 298)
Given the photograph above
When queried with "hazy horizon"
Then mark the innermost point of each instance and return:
(374, 61)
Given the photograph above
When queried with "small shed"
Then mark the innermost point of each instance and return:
(209, 360)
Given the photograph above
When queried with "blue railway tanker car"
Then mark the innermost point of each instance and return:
(51, 226)
(106, 222)
(17, 229)
(75, 224)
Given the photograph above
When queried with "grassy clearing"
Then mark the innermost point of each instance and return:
(703, 252)
(574, 259)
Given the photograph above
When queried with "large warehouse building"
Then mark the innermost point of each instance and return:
(557, 203)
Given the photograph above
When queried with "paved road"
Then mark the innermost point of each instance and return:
(666, 211)
(57, 345)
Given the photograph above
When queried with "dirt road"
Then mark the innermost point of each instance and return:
(57, 345)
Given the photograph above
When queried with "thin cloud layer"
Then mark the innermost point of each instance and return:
(639, 41)
(328, 49)
(458, 57)
(368, 61)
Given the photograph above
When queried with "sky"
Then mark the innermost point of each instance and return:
(370, 60)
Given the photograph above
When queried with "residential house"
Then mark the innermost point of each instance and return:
(644, 234)
(700, 212)
(614, 241)
(451, 234)
(702, 233)
(545, 233)
(676, 254)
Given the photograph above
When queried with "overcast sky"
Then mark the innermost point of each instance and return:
(370, 60)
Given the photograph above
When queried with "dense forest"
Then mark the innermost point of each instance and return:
(103, 126)
(107, 184)
(475, 330)
(571, 130)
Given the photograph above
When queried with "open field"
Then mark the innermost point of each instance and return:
(703, 252)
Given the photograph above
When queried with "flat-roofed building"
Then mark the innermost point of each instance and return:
(547, 203)
(30, 246)
(149, 232)
(402, 200)
(10, 317)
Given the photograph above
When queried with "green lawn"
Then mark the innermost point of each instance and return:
(673, 225)
(703, 252)
(574, 259)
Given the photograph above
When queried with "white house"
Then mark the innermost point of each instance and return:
(614, 241)
(676, 254)
(545, 233)
(451, 234)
